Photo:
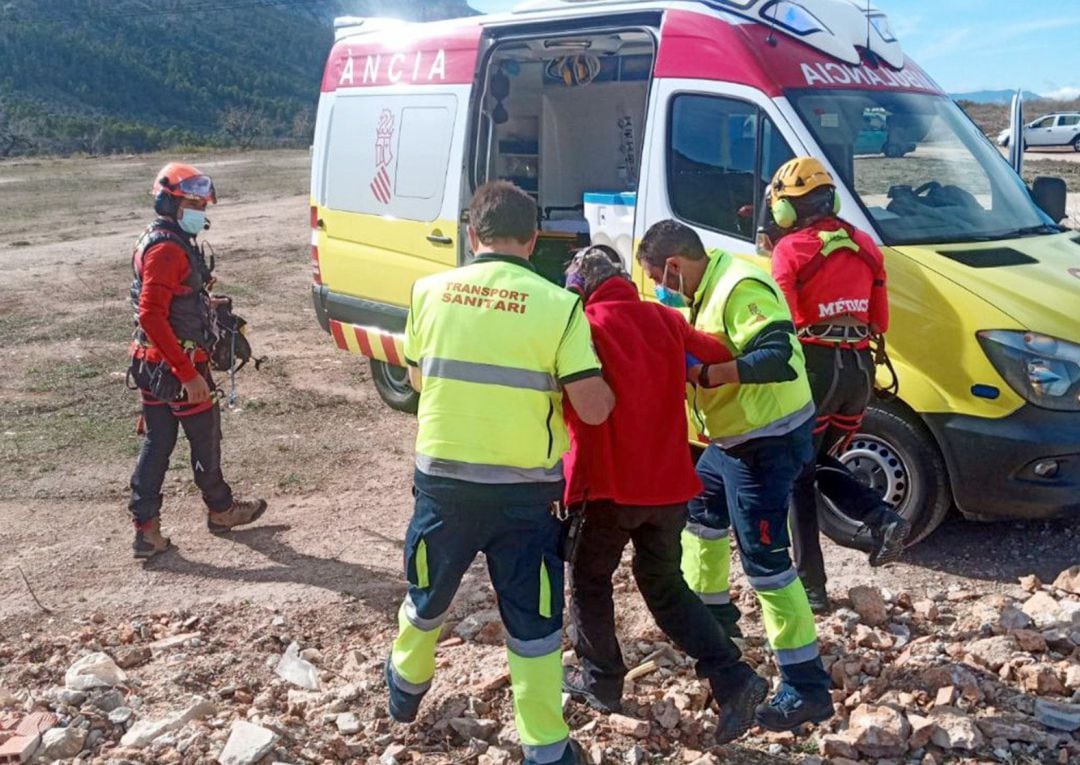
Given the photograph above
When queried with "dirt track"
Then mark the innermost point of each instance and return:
(311, 434)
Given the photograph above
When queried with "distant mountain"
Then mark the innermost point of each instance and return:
(135, 75)
(992, 96)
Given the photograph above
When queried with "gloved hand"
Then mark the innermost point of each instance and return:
(692, 361)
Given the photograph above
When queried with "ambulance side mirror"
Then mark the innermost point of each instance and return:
(1050, 195)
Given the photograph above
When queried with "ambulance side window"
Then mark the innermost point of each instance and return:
(721, 153)
(388, 155)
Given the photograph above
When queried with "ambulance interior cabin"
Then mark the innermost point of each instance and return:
(562, 117)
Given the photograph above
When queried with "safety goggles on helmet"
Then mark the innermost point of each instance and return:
(195, 188)
(181, 181)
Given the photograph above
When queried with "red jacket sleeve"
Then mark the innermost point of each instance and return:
(785, 269)
(702, 345)
(164, 269)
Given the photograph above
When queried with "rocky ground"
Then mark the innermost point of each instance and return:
(952, 676)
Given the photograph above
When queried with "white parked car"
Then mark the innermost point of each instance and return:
(1051, 130)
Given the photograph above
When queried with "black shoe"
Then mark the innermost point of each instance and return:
(737, 707)
(403, 706)
(575, 684)
(788, 709)
(889, 534)
(819, 599)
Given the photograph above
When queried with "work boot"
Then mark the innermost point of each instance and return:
(575, 683)
(242, 511)
(818, 599)
(889, 532)
(403, 706)
(572, 755)
(149, 540)
(788, 709)
(737, 701)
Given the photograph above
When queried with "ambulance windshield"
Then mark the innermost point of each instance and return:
(921, 169)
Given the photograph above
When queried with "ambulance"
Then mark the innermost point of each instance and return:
(615, 115)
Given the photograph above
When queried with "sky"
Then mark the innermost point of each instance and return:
(971, 45)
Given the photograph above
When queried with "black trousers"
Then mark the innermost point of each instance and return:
(842, 381)
(656, 534)
(203, 431)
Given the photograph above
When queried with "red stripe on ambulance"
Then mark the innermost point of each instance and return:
(391, 351)
(447, 57)
(365, 343)
(339, 335)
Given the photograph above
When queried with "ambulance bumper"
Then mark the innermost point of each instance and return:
(1026, 465)
(353, 310)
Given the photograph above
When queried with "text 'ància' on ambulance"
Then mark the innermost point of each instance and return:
(615, 115)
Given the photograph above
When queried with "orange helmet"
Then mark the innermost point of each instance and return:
(181, 181)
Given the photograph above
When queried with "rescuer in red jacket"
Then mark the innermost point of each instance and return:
(631, 478)
(833, 277)
(170, 354)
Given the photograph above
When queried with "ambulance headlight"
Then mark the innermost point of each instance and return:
(792, 17)
(1044, 371)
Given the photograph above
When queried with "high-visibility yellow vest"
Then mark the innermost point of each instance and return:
(734, 414)
(494, 342)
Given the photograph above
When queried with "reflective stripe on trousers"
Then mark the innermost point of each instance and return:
(536, 679)
(784, 611)
(412, 659)
(706, 563)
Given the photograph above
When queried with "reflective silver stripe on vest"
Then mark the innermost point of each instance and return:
(780, 427)
(489, 374)
(773, 581)
(475, 472)
(785, 657)
(425, 625)
(705, 532)
(404, 685)
(534, 649)
(714, 598)
(544, 754)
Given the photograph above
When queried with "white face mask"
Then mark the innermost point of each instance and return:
(191, 220)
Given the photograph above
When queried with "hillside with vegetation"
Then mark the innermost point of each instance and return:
(102, 76)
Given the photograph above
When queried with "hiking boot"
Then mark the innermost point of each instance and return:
(572, 755)
(788, 709)
(243, 511)
(575, 683)
(737, 706)
(818, 599)
(889, 534)
(403, 706)
(149, 540)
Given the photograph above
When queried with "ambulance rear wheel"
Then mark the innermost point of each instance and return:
(896, 455)
(392, 385)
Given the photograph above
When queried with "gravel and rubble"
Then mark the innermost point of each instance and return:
(930, 677)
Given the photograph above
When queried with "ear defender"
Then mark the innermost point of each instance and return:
(836, 202)
(783, 213)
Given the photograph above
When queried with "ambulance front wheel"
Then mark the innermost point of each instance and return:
(392, 385)
(896, 455)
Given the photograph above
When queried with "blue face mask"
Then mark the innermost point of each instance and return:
(669, 297)
(192, 221)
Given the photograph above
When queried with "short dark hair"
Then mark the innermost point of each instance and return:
(667, 239)
(500, 210)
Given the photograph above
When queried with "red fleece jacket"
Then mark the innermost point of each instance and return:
(164, 268)
(640, 455)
